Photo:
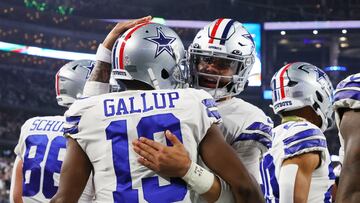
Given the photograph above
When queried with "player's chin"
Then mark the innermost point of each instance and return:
(207, 83)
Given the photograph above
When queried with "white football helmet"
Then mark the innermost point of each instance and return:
(151, 54)
(70, 81)
(300, 84)
(221, 57)
(116, 86)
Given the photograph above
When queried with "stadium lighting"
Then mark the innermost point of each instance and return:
(283, 32)
(344, 31)
(267, 94)
(342, 39)
(50, 53)
(335, 68)
(315, 32)
(344, 45)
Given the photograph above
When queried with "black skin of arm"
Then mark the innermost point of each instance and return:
(349, 187)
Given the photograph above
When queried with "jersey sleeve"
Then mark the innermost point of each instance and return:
(303, 137)
(258, 131)
(225, 193)
(347, 95)
(208, 111)
(20, 146)
(73, 117)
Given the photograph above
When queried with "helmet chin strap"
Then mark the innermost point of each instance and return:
(153, 79)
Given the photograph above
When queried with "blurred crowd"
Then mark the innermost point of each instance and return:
(47, 40)
(30, 16)
(6, 165)
(27, 82)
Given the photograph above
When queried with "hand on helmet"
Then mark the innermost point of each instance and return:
(120, 28)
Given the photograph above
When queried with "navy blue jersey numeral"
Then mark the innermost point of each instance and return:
(32, 164)
(34, 156)
(270, 186)
(153, 192)
(53, 165)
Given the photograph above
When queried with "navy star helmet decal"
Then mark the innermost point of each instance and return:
(163, 42)
(249, 37)
(320, 73)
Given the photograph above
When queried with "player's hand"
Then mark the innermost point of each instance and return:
(169, 161)
(120, 28)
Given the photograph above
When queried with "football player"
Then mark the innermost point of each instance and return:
(346, 105)
(221, 57)
(297, 166)
(148, 58)
(41, 147)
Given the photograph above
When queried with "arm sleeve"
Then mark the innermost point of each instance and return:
(93, 88)
(303, 138)
(287, 180)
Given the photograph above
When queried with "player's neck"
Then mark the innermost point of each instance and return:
(224, 99)
(292, 118)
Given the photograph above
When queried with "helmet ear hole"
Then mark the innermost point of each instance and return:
(292, 83)
(165, 74)
(319, 97)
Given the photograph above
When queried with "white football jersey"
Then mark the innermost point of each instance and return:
(105, 125)
(42, 148)
(347, 95)
(290, 139)
(248, 130)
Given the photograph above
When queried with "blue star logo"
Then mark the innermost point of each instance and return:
(162, 42)
(249, 37)
(320, 73)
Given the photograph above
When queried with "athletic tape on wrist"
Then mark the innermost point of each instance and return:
(198, 178)
(103, 54)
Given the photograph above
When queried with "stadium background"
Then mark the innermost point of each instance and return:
(326, 34)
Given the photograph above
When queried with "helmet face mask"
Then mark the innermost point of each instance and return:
(301, 84)
(221, 64)
(152, 54)
(70, 81)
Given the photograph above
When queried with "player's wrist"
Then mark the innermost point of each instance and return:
(185, 168)
(103, 54)
(110, 40)
(198, 178)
